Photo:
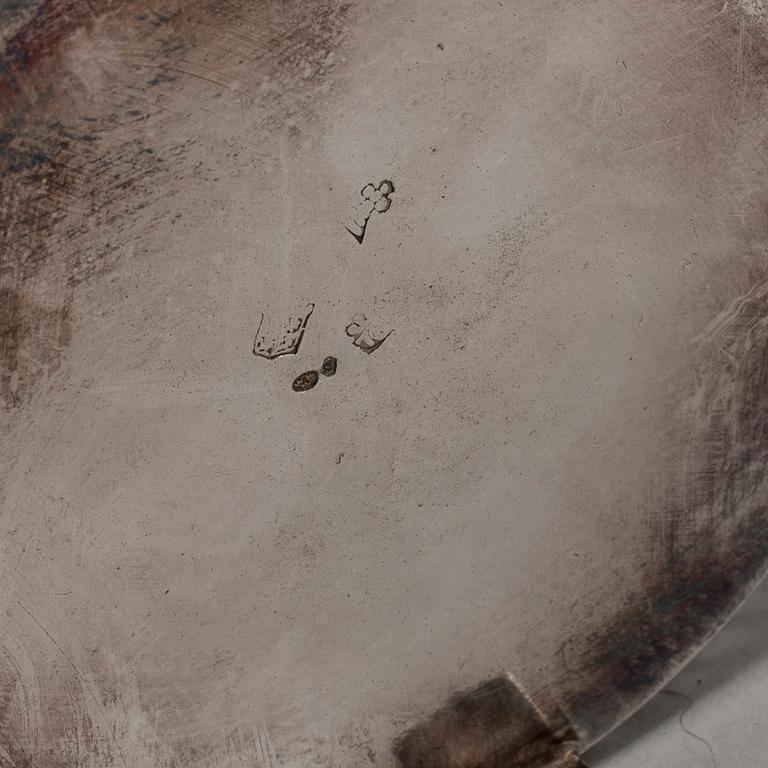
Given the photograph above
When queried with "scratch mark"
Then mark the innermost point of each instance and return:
(660, 141)
(82, 680)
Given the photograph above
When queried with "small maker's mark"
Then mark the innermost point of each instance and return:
(374, 199)
(363, 337)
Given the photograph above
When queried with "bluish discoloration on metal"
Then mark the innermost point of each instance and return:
(11, 10)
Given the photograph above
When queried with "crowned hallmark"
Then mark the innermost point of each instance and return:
(275, 340)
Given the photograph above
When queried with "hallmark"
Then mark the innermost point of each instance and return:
(363, 337)
(374, 199)
(275, 340)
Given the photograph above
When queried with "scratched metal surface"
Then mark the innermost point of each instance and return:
(532, 238)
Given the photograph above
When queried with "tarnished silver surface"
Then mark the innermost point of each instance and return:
(545, 224)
